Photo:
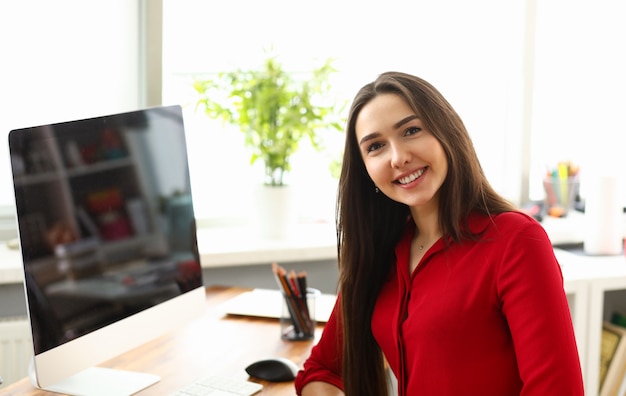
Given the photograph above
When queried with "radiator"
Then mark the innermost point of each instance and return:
(15, 349)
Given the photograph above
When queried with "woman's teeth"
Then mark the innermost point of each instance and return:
(411, 177)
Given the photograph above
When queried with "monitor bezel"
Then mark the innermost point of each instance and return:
(66, 360)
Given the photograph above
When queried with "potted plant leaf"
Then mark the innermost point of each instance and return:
(275, 110)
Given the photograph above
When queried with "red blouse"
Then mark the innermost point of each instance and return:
(478, 318)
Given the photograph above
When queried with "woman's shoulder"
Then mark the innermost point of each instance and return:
(511, 229)
(518, 223)
(515, 218)
(506, 221)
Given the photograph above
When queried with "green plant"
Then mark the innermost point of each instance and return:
(273, 109)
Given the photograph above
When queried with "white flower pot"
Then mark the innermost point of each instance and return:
(275, 211)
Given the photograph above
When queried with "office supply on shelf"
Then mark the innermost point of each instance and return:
(212, 385)
(612, 359)
(561, 185)
(618, 318)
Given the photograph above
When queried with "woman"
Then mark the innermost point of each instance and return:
(441, 279)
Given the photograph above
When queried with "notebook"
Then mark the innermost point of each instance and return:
(266, 303)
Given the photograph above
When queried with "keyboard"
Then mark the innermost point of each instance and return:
(219, 386)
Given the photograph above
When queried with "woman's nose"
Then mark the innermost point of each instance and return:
(399, 157)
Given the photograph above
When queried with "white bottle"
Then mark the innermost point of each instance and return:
(604, 217)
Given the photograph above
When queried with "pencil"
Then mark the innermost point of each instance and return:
(298, 320)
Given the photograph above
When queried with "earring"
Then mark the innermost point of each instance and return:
(376, 189)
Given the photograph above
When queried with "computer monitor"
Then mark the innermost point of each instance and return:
(108, 242)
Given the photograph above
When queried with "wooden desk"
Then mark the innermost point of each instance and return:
(212, 344)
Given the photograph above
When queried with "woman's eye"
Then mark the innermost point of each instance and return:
(373, 147)
(412, 131)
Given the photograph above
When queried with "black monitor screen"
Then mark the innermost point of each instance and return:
(105, 218)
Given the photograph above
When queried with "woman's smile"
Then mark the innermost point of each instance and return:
(405, 180)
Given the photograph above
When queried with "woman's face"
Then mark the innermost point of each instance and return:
(405, 161)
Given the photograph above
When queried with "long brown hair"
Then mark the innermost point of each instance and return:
(369, 225)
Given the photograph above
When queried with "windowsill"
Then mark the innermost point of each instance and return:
(232, 246)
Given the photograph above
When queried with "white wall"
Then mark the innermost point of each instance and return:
(63, 60)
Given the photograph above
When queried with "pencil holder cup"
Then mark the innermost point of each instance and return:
(560, 195)
(297, 319)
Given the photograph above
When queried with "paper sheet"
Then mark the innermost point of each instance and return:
(266, 303)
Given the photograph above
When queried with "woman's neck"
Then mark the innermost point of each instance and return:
(426, 223)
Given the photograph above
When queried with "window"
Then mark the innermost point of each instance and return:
(70, 60)
(471, 51)
(580, 87)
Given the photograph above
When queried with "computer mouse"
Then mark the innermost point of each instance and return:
(276, 369)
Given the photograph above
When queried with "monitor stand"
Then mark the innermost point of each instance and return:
(100, 381)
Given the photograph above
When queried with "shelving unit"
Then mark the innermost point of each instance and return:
(577, 292)
(596, 287)
(607, 294)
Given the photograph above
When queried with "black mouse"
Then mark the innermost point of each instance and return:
(274, 369)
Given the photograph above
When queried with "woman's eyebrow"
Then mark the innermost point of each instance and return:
(397, 125)
(370, 136)
(405, 120)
